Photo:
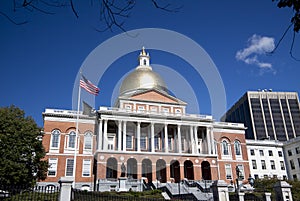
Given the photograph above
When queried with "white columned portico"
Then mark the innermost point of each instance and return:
(138, 137)
(100, 135)
(179, 138)
(105, 135)
(192, 139)
(124, 135)
(196, 139)
(119, 135)
(166, 138)
(152, 138)
(208, 137)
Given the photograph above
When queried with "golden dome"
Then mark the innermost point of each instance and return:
(142, 78)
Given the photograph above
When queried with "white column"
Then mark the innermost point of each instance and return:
(105, 135)
(119, 135)
(203, 143)
(196, 139)
(208, 136)
(179, 138)
(100, 135)
(166, 138)
(152, 138)
(138, 137)
(124, 135)
(192, 141)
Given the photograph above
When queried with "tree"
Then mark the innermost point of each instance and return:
(295, 21)
(21, 149)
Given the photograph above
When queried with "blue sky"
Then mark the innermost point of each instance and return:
(40, 60)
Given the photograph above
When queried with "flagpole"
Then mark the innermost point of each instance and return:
(77, 130)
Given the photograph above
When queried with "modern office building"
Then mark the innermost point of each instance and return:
(145, 137)
(267, 115)
(266, 159)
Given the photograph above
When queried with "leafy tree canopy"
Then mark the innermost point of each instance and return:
(21, 150)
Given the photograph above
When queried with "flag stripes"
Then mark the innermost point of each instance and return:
(89, 86)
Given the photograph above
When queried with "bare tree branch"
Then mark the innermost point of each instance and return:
(73, 9)
(166, 7)
(11, 20)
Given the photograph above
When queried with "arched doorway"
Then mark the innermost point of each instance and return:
(161, 172)
(205, 168)
(111, 168)
(188, 170)
(175, 170)
(147, 169)
(132, 168)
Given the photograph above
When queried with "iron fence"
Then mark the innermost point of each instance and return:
(23, 193)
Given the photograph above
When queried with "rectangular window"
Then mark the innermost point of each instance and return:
(256, 176)
(129, 141)
(178, 111)
(282, 167)
(110, 142)
(170, 144)
(252, 152)
(297, 150)
(261, 152)
(156, 142)
(270, 153)
(290, 152)
(242, 172)
(263, 164)
(165, 110)
(69, 167)
(254, 166)
(141, 108)
(298, 162)
(292, 164)
(228, 171)
(143, 142)
(86, 168)
(280, 153)
(272, 165)
(153, 109)
(52, 162)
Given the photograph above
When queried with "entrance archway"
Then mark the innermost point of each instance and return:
(205, 168)
(188, 170)
(111, 168)
(132, 168)
(161, 172)
(147, 169)
(175, 170)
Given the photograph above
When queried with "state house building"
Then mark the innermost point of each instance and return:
(146, 136)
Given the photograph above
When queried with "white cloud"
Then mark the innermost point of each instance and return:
(257, 45)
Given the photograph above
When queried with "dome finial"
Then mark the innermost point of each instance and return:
(143, 53)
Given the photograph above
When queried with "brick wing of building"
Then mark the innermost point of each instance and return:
(145, 137)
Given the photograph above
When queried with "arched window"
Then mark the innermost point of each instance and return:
(88, 139)
(225, 148)
(55, 136)
(145, 62)
(72, 138)
(237, 147)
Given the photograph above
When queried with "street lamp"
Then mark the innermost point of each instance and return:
(251, 180)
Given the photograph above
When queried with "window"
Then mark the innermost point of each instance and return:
(290, 152)
(292, 164)
(298, 161)
(225, 148)
(280, 153)
(153, 109)
(141, 108)
(254, 166)
(72, 139)
(297, 150)
(270, 153)
(237, 148)
(129, 141)
(86, 168)
(170, 144)
(128, 107)
(242, 172)
(143, 142)
(294, 176)
(70, 167)
(156, 142)
(252, 152)
(52, 166)
(110, 142)
(282, 167)
(261, 152)
(272, 165)
(166, 110)
(256, 176)
(55, 135)
(263, 164)
(228, 171)
(178, 111)
(88, 140)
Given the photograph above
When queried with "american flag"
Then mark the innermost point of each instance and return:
(89, 86)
